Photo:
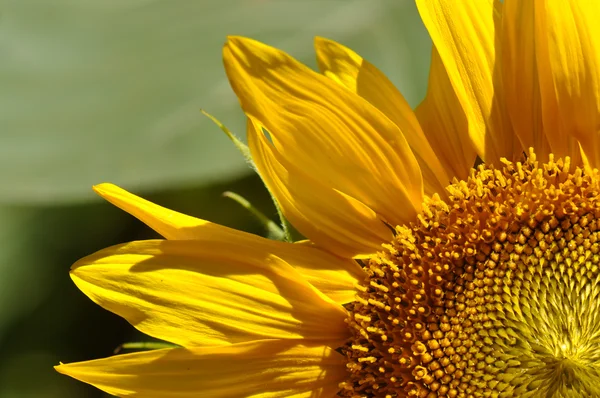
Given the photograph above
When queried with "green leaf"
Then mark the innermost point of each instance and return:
(96, 91)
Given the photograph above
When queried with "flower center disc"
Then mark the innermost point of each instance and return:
(494, 293)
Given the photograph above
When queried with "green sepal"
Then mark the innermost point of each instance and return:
(241, 146)
(144, 346)
(284, 232)
(274, 231)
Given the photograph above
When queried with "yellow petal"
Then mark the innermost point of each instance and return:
(196, 293)
(464, 34)
(349, 69)
(568, 48)
(332, 275)
(266, 369)
(328, 132)
(326, 216)
(444, 122)
(520, 76)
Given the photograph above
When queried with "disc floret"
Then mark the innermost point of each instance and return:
(494, 292)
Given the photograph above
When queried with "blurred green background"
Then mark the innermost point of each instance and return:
(110, 90)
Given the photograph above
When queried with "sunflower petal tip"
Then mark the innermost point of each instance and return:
(320, 40)
(60, 368)
(239, 41)
(75, 270)
(109, 191)
(101, 188)
(77, 264)
(322, 45)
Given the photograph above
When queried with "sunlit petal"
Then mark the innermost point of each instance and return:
(568, 48)
(465, 34)
(330, 133)
(520, 76)
(346, 67)
(328, 217)
(196, 293)
(266, 369)
(332, 275)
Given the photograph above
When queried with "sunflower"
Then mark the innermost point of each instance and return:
(422, 275)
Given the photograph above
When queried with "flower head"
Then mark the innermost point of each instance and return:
(422, 276)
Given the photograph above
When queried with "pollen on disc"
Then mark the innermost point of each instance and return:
(494, 293)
